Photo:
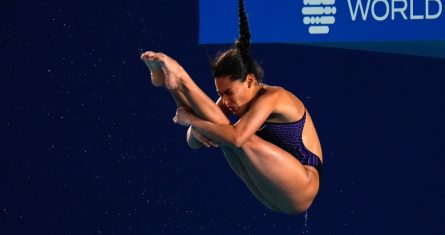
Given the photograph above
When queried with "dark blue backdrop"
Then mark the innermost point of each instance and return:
(88, 145)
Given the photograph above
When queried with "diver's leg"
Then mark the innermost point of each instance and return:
(158, 77)
(165, 71)
(279, 177)
(239, 169)
(188, 94)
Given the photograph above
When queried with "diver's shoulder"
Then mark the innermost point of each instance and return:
(277, 90)
(282, 93)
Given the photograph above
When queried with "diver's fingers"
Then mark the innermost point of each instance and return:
(203, 140)
(206, 141)
(213, 144)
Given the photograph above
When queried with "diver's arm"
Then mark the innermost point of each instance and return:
(236, 135)
(196, 140)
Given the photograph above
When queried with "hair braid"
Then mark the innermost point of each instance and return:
(243, 43)
(236, 62)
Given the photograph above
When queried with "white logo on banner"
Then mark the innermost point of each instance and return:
(403, 8)
(319, 14)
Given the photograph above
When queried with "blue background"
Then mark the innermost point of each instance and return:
(282, 21)
(88, 145)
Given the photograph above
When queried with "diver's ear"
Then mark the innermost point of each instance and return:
(250, 79)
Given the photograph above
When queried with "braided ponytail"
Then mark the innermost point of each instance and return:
(236, 62)
(243, 43)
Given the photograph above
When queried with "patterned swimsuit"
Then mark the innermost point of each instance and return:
(288, 136)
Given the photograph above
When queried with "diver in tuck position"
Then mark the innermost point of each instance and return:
(273, 147)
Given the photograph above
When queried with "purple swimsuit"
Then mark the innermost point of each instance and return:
(288, 136)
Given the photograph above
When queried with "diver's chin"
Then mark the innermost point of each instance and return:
(238, 111)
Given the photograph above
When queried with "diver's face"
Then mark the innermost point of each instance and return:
(235, 94)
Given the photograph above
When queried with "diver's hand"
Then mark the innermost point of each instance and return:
(183, 116)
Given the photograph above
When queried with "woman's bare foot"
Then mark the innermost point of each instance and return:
(165, 71)
(157, 73)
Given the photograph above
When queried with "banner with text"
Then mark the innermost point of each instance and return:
(305, 21)
(354, 22)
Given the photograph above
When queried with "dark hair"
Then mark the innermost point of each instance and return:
(236, 61)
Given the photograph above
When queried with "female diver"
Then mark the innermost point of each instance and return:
(273, 147)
